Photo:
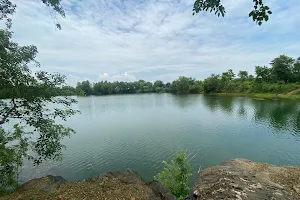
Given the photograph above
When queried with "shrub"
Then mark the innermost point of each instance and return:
(176, 175)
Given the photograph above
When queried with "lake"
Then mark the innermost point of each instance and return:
(138, 132)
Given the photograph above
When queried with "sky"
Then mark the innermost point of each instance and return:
(129, 40)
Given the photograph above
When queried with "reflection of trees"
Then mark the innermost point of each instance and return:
(282, 115)
(297, 122)
(211, 102)
(225, 104)
(185, 100)
(242, 110)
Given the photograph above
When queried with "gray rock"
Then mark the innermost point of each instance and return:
(245, 180)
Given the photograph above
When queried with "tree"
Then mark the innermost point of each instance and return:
(243, 75)
(263, 73)
(176, 175)
(181, 85)
(282, 67)
(28, 95)
(228, 76)
(213, 83)
(86, 87)
(259, 14)
(296, 70)
(158, 83)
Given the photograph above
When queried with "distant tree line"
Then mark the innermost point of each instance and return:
(282, 76)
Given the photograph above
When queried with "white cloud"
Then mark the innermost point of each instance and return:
(103, 77)
(151, 40)
(123, 77)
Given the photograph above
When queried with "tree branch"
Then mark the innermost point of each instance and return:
(9, 112)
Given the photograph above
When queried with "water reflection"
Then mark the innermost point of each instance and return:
(242, 110)
(280, 115)
(214, 103)
(139, 131)
(185, 100)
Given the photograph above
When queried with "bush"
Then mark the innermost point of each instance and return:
(176, 175)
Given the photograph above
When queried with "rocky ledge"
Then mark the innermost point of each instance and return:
(235, 179)
(126, 185)
(245, 180)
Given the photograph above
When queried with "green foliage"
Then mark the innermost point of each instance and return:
(186, 85)
(14, 147)
(182, 85)
(282, 68)
(85, 87)
(243, 75)
(260, 13)
(281, 77)
(262, 73)
(228, 76)
(176, 175)
(213, 84)
(27, 96)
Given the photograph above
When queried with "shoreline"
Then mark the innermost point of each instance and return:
(233, 179)
(260, 96)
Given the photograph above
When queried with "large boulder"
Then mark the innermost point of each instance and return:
(245, 180)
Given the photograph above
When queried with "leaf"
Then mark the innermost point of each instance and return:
(58, 26)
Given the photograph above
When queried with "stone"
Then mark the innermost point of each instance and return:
(246, 180)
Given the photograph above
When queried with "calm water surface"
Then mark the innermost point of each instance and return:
(139, 131)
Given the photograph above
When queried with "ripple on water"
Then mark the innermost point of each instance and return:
(132, 131)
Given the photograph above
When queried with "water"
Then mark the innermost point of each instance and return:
(139, 131)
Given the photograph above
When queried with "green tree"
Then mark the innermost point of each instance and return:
(213, 83)
(243, 75)
(263, 73)
(28, 95)
(176, 175)
(86, 87)
(296, 70)
(282, 67)
(158, 83)
(228, 76)
(181, 85)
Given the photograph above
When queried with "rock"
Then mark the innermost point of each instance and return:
(160, 191)
(297, 188)
(47, 184)
(246, 180)
(238, 179)
(125, 185)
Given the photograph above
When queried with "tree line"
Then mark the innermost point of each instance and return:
(282, 76)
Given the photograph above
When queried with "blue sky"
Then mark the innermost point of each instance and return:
(128, 40)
